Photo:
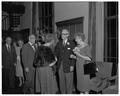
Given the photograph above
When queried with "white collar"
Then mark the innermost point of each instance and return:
(7, 45)
(65, 40)
(30, 43)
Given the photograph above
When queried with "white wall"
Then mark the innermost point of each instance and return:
(69, 10)
(26, 18)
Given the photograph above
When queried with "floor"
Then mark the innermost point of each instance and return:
(18, 90)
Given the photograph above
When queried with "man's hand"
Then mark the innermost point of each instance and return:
(71, 68)
(27, 69)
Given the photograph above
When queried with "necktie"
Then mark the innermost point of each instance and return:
(9, 48)
(64, 43)
(33, 47)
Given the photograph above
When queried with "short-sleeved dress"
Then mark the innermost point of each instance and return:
(82, 79)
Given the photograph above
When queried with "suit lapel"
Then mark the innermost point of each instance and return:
(61, 45)
(66, 45)
(7, 50)
(31, 47)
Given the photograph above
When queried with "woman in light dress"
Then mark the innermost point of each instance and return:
(19, 69)
(81, 54)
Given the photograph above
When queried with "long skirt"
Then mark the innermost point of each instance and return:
(45, 81)
(83, 81)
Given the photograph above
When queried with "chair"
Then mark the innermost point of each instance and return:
(113, 86)
(102, 81)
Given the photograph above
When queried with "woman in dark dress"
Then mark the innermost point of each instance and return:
(44, 61)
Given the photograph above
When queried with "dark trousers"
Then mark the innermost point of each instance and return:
(5, 79)
(28, 87)
(65, 81)
(8, 78)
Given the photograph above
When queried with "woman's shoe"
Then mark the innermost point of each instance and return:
(86, 92)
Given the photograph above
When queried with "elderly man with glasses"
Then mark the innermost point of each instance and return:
(65, 64)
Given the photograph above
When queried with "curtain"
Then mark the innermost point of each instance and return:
(92, 29)
(35, 19)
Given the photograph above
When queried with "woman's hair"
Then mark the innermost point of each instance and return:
(43, 55)
(81, 35)
(49, 37)
(20, 39)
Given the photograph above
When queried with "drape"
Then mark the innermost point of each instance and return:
(92, 28)
(35, 19)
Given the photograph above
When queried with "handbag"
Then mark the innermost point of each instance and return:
(90, 68)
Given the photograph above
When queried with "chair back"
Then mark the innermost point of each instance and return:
(104, 69)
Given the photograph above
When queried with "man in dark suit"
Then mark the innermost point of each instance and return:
(8, 65)
(65, 64)
(28, 52)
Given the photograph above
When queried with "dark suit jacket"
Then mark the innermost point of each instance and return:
(63, 54)
(8, 59)
(27, 60)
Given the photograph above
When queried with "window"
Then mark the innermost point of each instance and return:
(111, 32)
(73, 25)
(46, 16)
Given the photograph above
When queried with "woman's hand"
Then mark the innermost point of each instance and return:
(82, 56)
(76, 52)
(47, 44)
(72, 56)
(76, 49)
(87, 58)
(53, 63)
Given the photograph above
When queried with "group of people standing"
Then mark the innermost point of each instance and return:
(11, 64)
(38, 64)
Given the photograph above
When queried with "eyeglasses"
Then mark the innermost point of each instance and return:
(65, 34)
(32, 38)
